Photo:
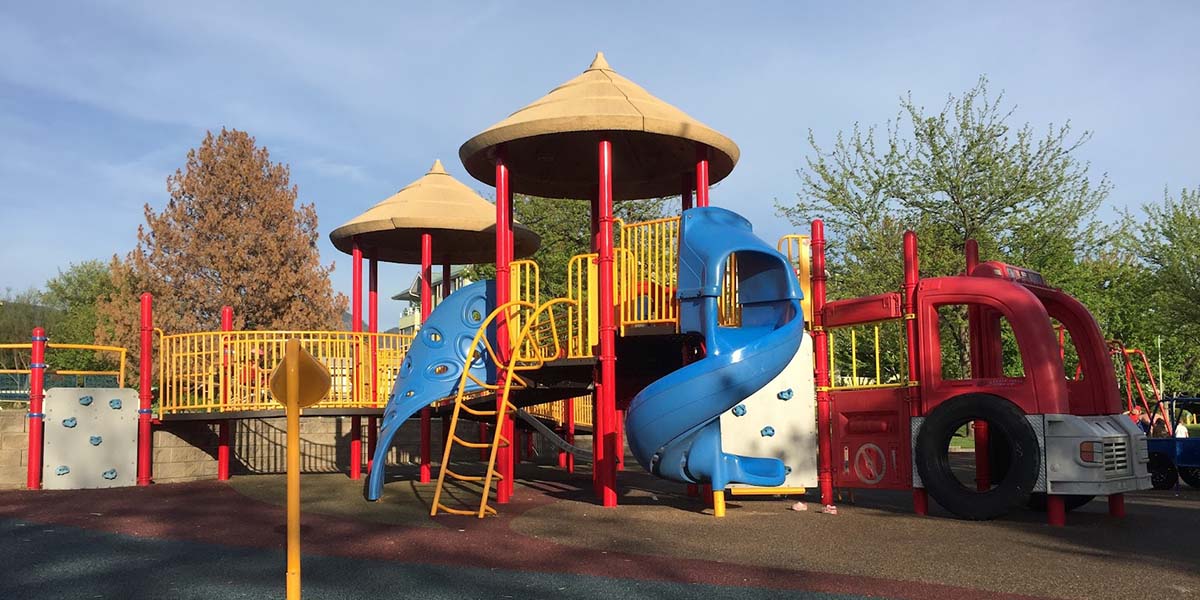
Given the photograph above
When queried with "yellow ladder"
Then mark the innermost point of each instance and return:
(524, 357)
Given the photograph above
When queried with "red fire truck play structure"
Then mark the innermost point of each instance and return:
(1039, 434)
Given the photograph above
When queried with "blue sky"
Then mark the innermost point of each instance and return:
(99, 102)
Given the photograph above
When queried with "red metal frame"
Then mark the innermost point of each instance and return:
(145, 395)
(426, 308)
(701, 175)
(821, 365)
(224, 425)
(606, 397)
(356, 307)
(373, 327)
(912, 275)
(504, 454)
(37, 419)
(983, 475)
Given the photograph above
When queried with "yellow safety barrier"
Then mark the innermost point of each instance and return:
(582, 315)
(556, 411)
(890, 373)
(648, 297)
(119, 373)
(219, 371)
(798, 249)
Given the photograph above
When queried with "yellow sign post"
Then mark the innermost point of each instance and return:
(298, 382)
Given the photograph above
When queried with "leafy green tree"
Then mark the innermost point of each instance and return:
(20, 312)
(1170, 247)
(75, 293)
(962, 172)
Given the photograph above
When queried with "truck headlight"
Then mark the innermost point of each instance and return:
(1091, 453)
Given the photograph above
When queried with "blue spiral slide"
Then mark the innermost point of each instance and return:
(673, 426)
(433, 364)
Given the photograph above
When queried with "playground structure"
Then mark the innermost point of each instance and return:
(729, 372)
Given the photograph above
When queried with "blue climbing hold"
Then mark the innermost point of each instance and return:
(787, 470)
(62, 470)
(115, 404)
(95, 440)
(768, 431)
(110, 474)
(739, 410)
(85, 400)
(785, 394)
(69, 422)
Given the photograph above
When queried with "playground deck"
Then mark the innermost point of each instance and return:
(211, 539)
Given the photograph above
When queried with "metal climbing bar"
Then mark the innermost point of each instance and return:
(27, 348)
(512, 380)
(886, 338)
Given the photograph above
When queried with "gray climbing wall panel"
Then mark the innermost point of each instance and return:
(91, 438)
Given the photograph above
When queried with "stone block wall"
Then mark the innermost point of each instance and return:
(14, 448)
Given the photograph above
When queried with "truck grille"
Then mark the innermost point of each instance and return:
(1116, 458)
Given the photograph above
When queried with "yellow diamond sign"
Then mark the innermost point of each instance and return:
(299, 380)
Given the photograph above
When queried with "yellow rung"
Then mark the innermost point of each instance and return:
(448, 510)
(462, 477)
(479, 413)
(462, 442)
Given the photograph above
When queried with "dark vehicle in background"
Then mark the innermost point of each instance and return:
(1173, 458)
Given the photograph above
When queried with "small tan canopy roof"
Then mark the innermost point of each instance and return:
(463, 225)
(551, 145)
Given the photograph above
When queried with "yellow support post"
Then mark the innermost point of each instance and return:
(298, 382)
(718, 503)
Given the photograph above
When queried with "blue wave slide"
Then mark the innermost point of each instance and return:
(433, 364)
(673, 426)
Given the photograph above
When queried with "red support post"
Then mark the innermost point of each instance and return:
(912, 274)
(504, 454)
(1116, 505)
(37, 418)
(356, 318)
(597, 384)
(145, 395)
(446, 291)
(223, 426)
(570, 419)
(373, 328)
(426, 308)
(1056, 510)
(821, 366)
(606, 399)
(701, 174)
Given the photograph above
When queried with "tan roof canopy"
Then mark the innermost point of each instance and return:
(462, 223)
(551, 144)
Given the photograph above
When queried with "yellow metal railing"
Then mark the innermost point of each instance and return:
(582, 314)
(798, 249)
(217, 371)
(878, 372)
(119, 373)
(556, 411)
(648, 297)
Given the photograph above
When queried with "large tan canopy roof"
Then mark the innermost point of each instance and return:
(463, 225)
(551, 144)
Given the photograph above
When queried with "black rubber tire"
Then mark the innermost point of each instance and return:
(1037, 501)
(1190, 476)
(933, 461)
(1163, 474)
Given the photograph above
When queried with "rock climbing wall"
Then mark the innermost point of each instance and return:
(91, 438)
(779, 421)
